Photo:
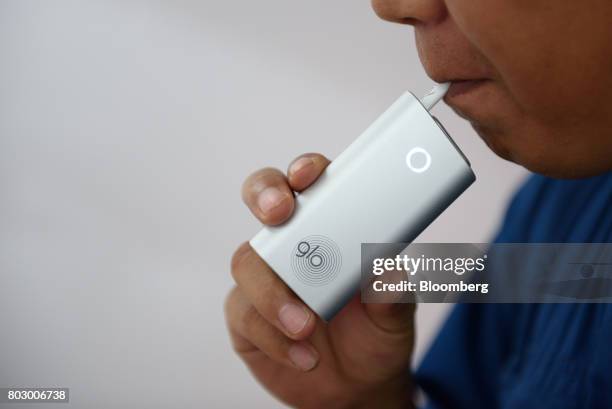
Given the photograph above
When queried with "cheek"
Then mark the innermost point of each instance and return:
(547, 58)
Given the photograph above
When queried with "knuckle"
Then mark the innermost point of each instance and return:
(249, 320)
(267, 300)
(248, 185)
(257, 176)
(317, 160)
(239, 350)
(230, 302)
(239, 257)
(258, 181)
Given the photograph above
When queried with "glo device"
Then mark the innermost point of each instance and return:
(387, 186)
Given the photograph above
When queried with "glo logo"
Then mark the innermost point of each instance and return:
(316, 260)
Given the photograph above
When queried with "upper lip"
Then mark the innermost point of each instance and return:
(450, 58)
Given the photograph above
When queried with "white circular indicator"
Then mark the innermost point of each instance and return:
(418, 160)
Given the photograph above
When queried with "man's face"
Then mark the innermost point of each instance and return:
(534, 77)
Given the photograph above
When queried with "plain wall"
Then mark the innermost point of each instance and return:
(126, 129)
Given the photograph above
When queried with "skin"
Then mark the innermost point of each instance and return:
(544, 97)
(358, 359)
(533, 78)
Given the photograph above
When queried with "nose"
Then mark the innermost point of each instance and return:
(413, 12)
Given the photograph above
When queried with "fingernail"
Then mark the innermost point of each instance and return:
(293, 317)
(300, 164)
(269, 198)
(303, 357)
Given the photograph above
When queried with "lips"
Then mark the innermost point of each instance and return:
(472, 79)
(461, 87)
(447, 56)
(470, 99)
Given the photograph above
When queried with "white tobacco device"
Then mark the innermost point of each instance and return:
(386, 187)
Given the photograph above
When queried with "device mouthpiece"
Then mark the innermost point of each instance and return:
(436, 94)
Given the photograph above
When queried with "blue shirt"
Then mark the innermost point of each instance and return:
(525, 356)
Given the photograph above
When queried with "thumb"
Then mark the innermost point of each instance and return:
(390, 311)
(394, 318)
(375, 340)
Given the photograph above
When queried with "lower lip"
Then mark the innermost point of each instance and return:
(458, 88)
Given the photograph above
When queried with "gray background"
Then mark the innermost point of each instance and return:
(126, 128)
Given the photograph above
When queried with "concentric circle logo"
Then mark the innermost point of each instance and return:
(316, 260)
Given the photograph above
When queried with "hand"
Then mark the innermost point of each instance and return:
(361, 358)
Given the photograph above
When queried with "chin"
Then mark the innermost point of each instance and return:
(540, 147)
(494, 140)
(525, 153)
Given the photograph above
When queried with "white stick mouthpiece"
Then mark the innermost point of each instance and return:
(435, 95)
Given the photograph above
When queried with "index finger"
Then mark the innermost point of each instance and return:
(267, 194)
